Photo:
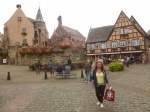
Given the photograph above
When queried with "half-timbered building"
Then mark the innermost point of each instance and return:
(125, 38)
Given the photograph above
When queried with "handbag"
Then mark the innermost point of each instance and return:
(109, 94)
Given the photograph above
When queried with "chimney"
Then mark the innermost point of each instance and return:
(18, 6)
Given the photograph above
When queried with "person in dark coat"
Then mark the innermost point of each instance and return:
(59, 69)
(69, 62)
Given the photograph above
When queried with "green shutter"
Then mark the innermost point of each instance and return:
(131, 43)
(140, 41)
(99, 45)
(88, 46)
(110, 44)
(126, 41)
(118, 44)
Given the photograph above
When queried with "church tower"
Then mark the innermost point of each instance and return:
(41, 33)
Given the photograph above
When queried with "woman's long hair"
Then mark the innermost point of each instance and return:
(102, 67)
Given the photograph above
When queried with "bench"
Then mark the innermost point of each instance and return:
(65, 75)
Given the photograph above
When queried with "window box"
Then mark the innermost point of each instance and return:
(24, 33)
(24, 44)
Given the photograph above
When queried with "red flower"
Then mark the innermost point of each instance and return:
(64, 46)
(48, 50)
(22, 51)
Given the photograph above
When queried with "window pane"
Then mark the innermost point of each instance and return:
(23, 29)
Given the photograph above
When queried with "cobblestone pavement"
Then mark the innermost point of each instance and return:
(29, 92)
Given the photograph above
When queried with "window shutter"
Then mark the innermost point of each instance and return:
(131, 43)
(110, 44)
(126, 41)
(92, 46)
(118, 44)
(119, 31)
(100, 45)
(105, 44)
(140, 41)
(88, 46)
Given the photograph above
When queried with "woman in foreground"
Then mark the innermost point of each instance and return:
(99, 82)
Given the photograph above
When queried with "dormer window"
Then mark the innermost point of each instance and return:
(19, 18)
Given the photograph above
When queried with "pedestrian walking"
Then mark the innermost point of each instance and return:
(37, 66)
(127, 59)
(51, 67)
(99, 81)
(144, 59)
(87, 68)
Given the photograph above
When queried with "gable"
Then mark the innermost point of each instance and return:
(124, 28)
(14, 18)
(122, 20)
(60, 32)
(137, 25)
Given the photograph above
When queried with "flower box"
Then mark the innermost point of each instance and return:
(24, 33)
(64, 46)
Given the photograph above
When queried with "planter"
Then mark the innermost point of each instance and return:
(24, 33)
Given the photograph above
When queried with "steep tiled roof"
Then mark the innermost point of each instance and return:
(31, 20)
(99, 34)
(73, 31)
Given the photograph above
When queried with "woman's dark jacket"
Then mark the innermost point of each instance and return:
(95, 79)
(59, 69)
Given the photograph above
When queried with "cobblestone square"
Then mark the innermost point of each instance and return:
(29, 92)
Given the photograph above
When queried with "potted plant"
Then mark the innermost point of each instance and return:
(22, 51)
(48, 51)
(24, 33)
(64, 46)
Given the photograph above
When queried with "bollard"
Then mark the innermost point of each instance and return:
(45, 75)
(82, 76)
(8, 76)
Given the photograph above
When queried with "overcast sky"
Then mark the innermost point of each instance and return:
(78, 14)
